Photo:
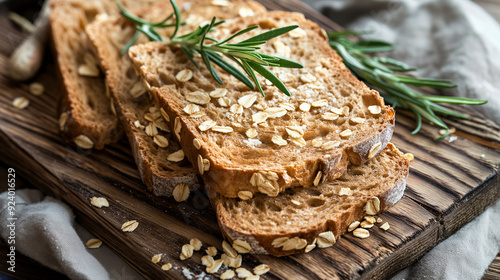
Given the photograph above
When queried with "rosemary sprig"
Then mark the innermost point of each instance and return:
(398, 90)
(243, 53)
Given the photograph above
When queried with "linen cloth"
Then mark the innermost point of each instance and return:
(445, 39)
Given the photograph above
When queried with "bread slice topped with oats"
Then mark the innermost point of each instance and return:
(157, 153)
(243, 143)
(300, 220)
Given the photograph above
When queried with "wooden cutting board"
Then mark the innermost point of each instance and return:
(449, 185)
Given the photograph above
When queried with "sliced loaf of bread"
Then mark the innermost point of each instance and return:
(300, 219)
(244, 143)
(152, 147)
(86, 115)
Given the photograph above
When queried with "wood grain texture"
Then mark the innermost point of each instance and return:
(450, 183)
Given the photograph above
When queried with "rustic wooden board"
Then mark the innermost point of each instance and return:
(450, 184)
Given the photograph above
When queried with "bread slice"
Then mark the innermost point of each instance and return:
(351, 127)
(109, 35)
(86, 115)
(298, 216)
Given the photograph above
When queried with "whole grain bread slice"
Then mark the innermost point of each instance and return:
(86, 115)
(300, 219)
(269, 144)
(151, 149)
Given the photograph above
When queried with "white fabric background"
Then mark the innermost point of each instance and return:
(445, 39)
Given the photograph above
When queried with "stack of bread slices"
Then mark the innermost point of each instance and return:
(284, 174)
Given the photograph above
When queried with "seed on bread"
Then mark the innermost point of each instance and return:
(112, 106)
(83, 142)
(137, 90)
(161, 124)
(236, 109)
(63, 118)
(93, 243)
(176, 156)
(345, 192)
(385, 226)
(152, 116)
(325, 239)
(330, 145)
(206, 125)
(130, 226)
(177, 128)
(287, 106)
(241, 246)
(260, 117)
(294, 131)
(275, 112)
(197, 115)
(261, 269)
(336, 111)
(191, 108)
(245, 12)
(320, 103)
(166, 267)
(374, 150)
(88, 70)
(251, 133)
(161, 141)
(20, 102)
(361, 233)
(291, 244)
(206, 164)
(244, 195)
(316, 143)
(308, 78)
(346, 133)
(286, 77)
(329, 116)
(317, 179)
(201, 167)
(180, 192)
(222, 129)
(374, 109)
(224, 102)
(151, 130)
(184, 75)
(357, 120)
(281, 47)
(156, 258)
(353, 226)
(196, 143)
(219, 92)
(228, 274)
(311, 246)
(297, 33)
(36, 89)
(164, 115)
(247, 100)
(266, 182)
(198, 97)
(379, 220)
(220, 3)
(99, 202)
(299, 141)
(138, 124)
(278, 140)
(305, 107)
(279, 242)
(186, 252)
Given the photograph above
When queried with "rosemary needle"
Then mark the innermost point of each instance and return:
(398, 90)
(243, 53)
